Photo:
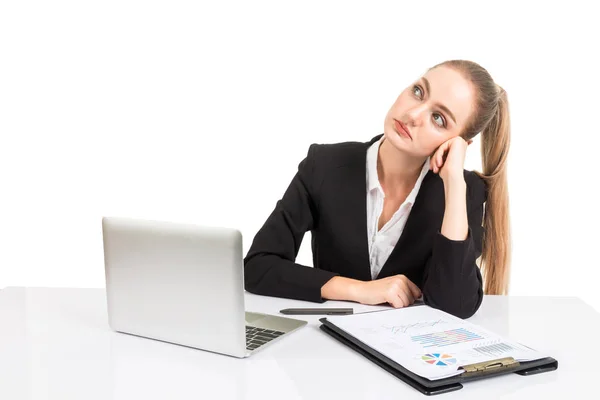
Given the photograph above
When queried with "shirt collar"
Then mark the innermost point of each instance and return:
(373, 178)
(413, 193)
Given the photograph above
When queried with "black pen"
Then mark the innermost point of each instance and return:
(317, 311)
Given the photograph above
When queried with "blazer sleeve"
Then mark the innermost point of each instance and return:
(269, 267)
(452, 280)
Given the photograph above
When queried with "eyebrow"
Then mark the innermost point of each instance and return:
(443, 107)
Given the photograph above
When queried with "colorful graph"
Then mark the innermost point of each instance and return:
(446, 338)
(441, 360)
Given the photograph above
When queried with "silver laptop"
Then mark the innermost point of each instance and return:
(183, 284)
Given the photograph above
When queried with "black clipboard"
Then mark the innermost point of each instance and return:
(433, 387)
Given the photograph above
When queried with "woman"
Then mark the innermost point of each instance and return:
(398, 217)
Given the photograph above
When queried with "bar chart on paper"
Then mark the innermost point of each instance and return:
(445, 338)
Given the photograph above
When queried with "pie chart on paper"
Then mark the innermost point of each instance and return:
(439, 359)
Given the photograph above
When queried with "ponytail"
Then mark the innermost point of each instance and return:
(491, 118)
(495, 143)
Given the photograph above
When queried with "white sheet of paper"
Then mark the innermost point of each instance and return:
(430, 342)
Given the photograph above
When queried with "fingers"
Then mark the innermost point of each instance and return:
(402, 292)
(437, 160)
(432, 163)
(395, 294)
(440, 156)
(416, 292)
(406, 297)
(394, 300)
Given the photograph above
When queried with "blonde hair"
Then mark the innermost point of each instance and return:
(491, 118)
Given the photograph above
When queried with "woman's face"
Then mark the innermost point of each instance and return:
(434, 109)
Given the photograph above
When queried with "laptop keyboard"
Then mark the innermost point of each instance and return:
(256, 337)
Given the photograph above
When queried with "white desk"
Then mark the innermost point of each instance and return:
(56, 344)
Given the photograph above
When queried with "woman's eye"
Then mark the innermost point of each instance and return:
(415, 88)
(442, 122)
(437, 117)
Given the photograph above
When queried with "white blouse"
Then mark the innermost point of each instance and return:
(381, 243)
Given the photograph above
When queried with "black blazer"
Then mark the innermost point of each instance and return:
(328, 196)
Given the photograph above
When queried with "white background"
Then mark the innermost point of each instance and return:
(200, 113)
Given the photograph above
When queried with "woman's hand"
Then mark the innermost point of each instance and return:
(397, 290)
(449, 159)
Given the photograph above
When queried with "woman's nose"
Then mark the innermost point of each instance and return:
(416, 114)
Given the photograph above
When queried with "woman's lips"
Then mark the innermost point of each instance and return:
(402, 129)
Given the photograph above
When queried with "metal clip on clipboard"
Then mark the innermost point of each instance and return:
(491, 366)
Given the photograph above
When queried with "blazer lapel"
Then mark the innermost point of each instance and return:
(424, 215)
(351, 186)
